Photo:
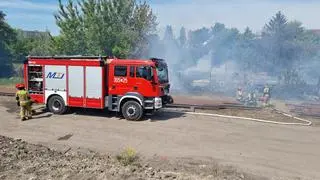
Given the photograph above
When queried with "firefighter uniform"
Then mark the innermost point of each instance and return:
(239, 94)
(23, 100)
(266, 95)
(266, 90)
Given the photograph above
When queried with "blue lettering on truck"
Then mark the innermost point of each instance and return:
(55, 75)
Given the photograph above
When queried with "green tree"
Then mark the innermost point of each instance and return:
(223, 42)
(168, 34)
(39, 44)
(285, 46)
(218, 27)
(199, 36)
(279, 43)
(196, 41)
(72, 36)
(171, 48)
(246, 51)
(43, 45)
(276, 26)
(7, 36)
(248, 35)
(92, 27)
(183, 37)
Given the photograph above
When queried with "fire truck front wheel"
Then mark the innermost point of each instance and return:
(56, 105)
(132, 110)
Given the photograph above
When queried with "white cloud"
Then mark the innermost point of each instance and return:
(239, 14)
(23, 4)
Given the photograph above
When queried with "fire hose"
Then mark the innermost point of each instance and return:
(305, 122)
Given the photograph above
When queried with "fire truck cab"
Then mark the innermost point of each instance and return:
(129, 86)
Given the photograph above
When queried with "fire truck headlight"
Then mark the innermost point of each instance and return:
(157, 103)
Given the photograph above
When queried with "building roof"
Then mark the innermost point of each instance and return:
(31, 34)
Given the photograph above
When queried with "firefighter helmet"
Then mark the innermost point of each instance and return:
(20, 86)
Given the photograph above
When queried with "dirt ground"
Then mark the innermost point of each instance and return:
(173, 142)
(7, 89)
(22, 160)
(264, 114)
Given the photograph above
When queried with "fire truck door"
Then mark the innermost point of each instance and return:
(133, 85)
(119, 82)
(76, 86)
(55, 81)
(94, 87)
(143, 82)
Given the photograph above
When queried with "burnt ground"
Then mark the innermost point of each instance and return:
(22, 160)
(203, 100)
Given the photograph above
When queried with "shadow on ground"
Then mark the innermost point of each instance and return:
(42, 112)
(164, 116)
(11, 106)
(39, 111)
(158, 116)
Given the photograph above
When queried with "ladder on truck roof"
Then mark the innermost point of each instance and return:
(68, 57)
(85, 57)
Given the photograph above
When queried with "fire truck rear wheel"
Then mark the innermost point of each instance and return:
(56, 105)
(132, 110)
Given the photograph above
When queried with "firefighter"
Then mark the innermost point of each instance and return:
(251, 99)
(24, 101)
(239, 95)
(266, 95)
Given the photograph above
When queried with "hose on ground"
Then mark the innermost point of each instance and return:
(305, 122)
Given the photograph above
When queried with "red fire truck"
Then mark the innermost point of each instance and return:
(129, 86)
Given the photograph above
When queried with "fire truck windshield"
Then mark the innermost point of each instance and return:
(162, 72)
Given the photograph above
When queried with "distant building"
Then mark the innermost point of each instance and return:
(32, 34)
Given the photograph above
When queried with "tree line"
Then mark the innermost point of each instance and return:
(283, 48)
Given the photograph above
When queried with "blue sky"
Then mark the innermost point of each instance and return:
(38, 14)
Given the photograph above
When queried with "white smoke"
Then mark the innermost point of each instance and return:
(203, 65)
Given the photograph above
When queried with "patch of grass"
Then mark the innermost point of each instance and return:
(270, 106)
(128, 156)
(10, 81)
